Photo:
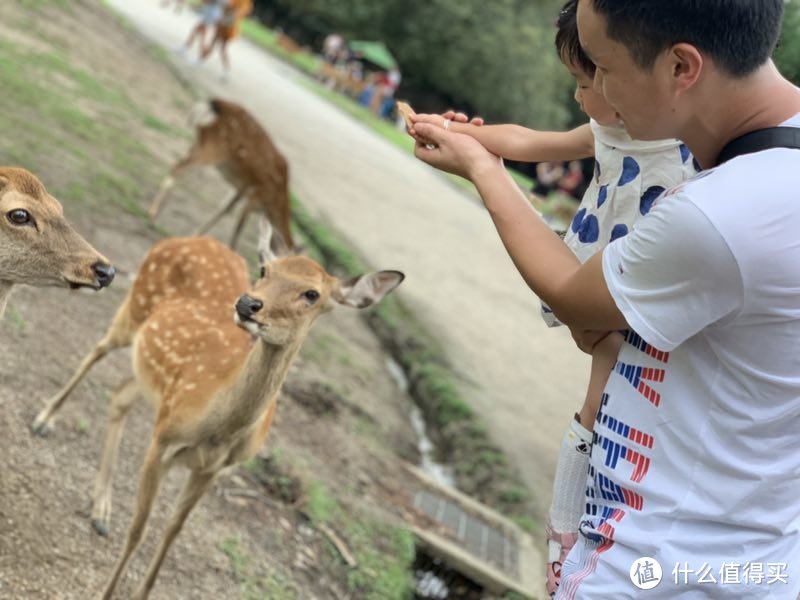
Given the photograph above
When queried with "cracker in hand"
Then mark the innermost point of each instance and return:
(406, 112)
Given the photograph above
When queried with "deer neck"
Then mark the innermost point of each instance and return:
(258, 383)
(5, 292)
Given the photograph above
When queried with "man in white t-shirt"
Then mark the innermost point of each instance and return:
(694, 482)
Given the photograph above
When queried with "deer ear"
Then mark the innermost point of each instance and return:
(265, 236)
(366, 290)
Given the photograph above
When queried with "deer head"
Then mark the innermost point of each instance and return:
(293, 291)
(37, 245)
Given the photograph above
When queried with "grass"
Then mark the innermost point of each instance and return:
(61, 115)
(383, 553)
(16, 319)
(255, 583)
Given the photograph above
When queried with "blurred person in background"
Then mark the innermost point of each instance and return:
(227, 29)
(210, 13)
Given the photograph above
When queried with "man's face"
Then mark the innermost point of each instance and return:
(642, 98)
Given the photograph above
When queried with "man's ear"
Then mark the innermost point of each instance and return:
(366, 290)
(687, 65)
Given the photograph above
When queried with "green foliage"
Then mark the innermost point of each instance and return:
(497, 57)
(787, 55)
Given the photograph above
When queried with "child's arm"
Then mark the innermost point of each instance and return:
(569, 485)
(604, 357)
(515, 142)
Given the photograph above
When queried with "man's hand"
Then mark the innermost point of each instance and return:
(455, 153)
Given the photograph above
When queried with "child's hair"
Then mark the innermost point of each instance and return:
(567, 42)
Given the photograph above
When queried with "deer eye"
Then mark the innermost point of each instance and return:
(311, 295)
(19, 216)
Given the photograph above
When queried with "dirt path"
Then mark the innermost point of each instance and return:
(524, 380)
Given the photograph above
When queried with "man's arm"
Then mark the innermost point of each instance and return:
(576, 293)
(515, 142)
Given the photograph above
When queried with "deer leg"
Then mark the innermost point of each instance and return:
(195, 487)
(121, 404)
(220, 213)
(119, 334)
(149, 480)
(240, 224)
(168, 183)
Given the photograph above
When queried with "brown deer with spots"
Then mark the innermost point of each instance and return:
(231, 139)
(37, 245)
(211, 357)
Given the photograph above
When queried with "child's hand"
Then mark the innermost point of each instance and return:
(444, 120)
(460, 117)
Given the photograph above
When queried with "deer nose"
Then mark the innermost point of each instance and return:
(246, 307)
(104, 273)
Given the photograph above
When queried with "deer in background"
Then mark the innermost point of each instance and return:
(211, 357)
(37, 245)
(231, 139)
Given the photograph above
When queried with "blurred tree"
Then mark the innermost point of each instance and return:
(787, 55)
(494, 58)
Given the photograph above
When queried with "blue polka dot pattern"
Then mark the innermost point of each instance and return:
(589, 230)
(630, 171)
(576, 222)
(685, 154)
(619, 231)
(649, 196)
(597, 171)
(602, 196)
(697, 166)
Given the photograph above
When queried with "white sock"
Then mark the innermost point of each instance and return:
(569, 486)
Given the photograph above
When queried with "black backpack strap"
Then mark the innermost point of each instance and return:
(761, 139)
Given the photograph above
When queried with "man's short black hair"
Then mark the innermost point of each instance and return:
(739, 35)
(567, 42)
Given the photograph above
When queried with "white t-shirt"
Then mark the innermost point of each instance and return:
(628, 176)
(696, 454)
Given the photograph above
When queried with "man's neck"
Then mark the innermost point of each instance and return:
(732, 108)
